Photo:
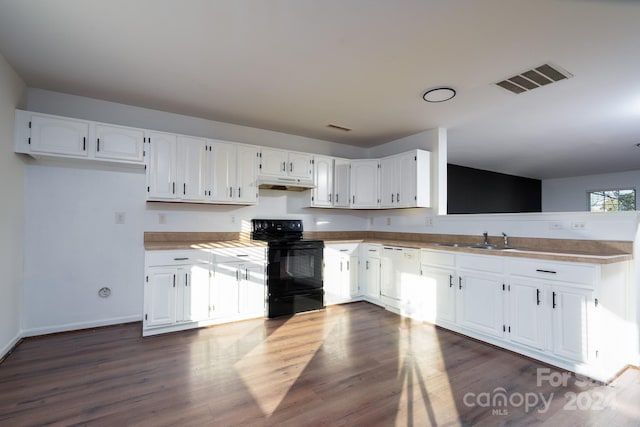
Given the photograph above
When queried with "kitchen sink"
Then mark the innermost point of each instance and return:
(482, 246)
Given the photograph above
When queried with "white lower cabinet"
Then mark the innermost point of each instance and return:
(568, 314)
(340, 278)
(370, 272)
(160, 296)
(480, 302)
(187, 288)
(237, 290)
(528, 315)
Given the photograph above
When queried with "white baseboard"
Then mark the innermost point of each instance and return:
(32, 332)
(7, 348)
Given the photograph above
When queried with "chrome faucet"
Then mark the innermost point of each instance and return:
(506, 238)
(486, 238)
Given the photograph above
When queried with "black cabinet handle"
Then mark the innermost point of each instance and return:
(337, 195)
(546, 271)
(84, 143)
(184, 188)
(186, 279)
(537, 296)
(451, 280)
(397, 197)
(181, 259)
(459, 282)
(98, 147)
(392, 197)
(367, 265)
(238, 192)
(174, 188)
(553, 300)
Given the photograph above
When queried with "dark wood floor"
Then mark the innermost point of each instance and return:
(350, 365)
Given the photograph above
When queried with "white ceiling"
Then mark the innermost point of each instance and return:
(297, 65)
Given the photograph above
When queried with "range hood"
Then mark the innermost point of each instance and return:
(288, 184)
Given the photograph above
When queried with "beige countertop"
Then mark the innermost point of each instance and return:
(586, 251)
(515, 252)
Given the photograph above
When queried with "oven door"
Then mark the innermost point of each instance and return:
(295, 267)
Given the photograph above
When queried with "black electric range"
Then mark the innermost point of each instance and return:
(294, 269)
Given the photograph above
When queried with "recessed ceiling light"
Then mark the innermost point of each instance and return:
(439, 94)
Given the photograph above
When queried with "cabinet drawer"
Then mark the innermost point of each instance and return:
(179, 257)
(489, 263)
(555, 271)
(251, 253)
(373, 251)
(436, 258)
(343, 248)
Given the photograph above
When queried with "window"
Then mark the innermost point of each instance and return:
(622, 199)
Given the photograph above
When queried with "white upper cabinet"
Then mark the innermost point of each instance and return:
(405, 180)
(247, 173)
(119, 143)
(45, 135)
(192, 168)
(364, 183)
(222, 171)
(322, 195)
(232, 173)
(162, 168)
(341, 182)
(59, 136)
(286, 167)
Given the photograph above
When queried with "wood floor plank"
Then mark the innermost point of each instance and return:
(348, 365)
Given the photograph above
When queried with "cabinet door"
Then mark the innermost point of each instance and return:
(341, 186)
(252, 292)
(119, 143)
(481, 303)
(224, 290)
(364, 183)
(300, 166)
(570, 308)
(352, 283)
(162, 167)
(192, 166)
(246, 174)
(405, 173)
(273, 162)
(332, 277)
(372, 277)
(196, 293)
(440, 295)
(160, 296)
(388, 180)
(388, 285)
(527, 313)
(59, 136)
(322, 194)
(222, 172)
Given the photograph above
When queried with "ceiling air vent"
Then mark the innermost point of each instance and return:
(342, 128)
(534, 78)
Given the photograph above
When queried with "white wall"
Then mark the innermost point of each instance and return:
(570, 194)
(73, 246)
(12, 90)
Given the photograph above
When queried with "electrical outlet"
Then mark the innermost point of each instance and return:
(162, 218)
(578, 225)
(120, 218)
(428, 222)
(388, 220)
(555, 226)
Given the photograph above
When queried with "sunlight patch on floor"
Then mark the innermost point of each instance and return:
(270, 381)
